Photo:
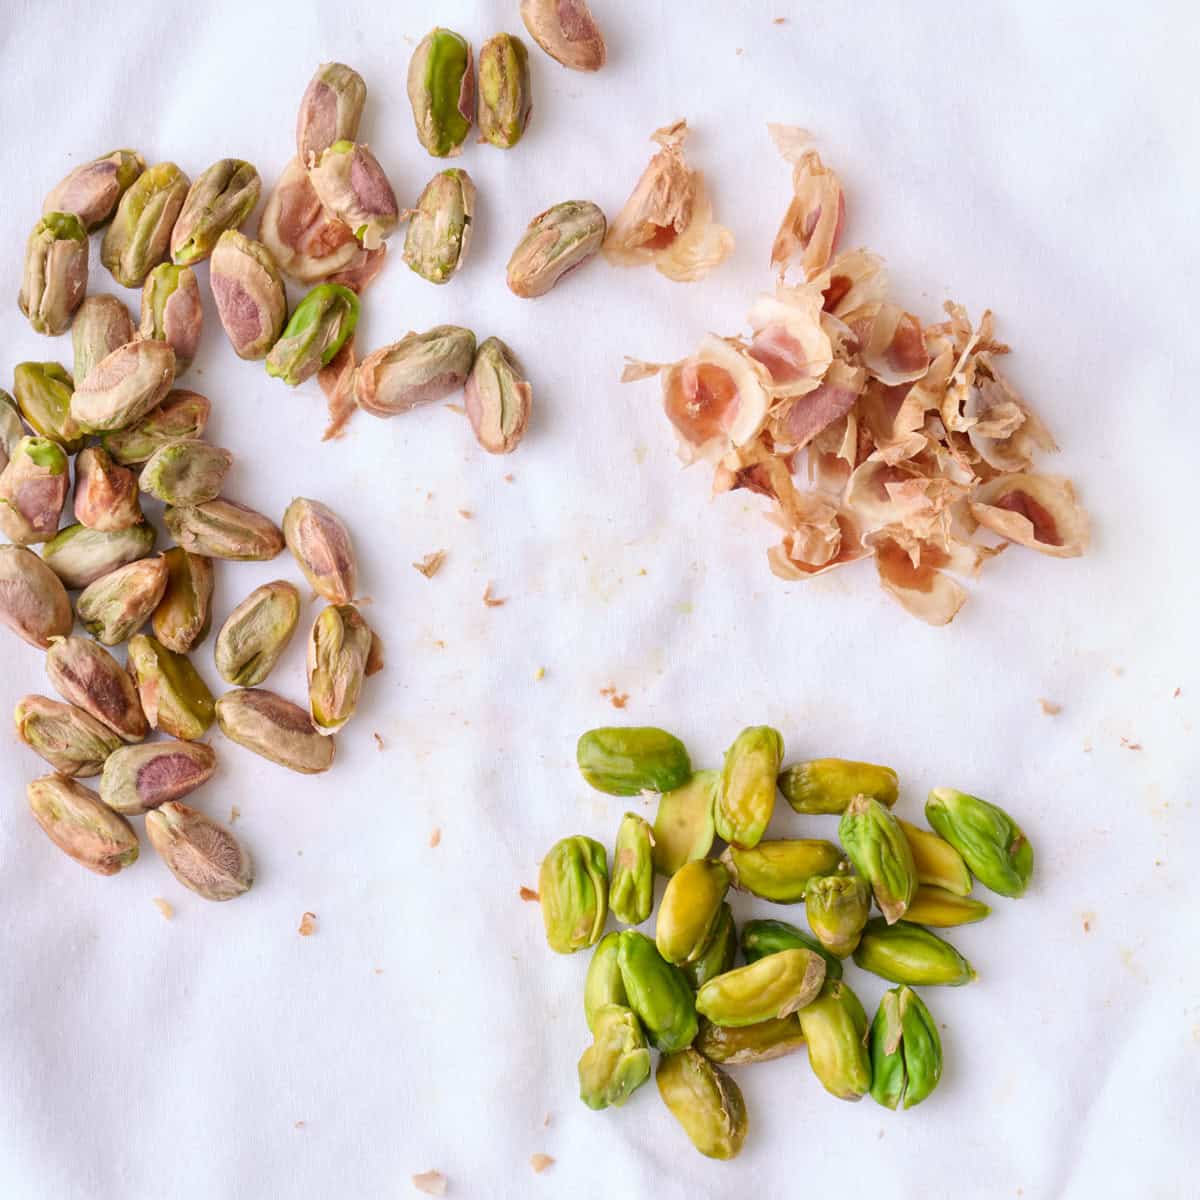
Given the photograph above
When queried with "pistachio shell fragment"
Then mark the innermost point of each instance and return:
(321, 325)
(183, 617)
(330, 110)
(940, 909)
(224, 529)
(56, 271)
(222, 197)
(93, 190)
(750, 1043)
(906, 953)
(124, 386)
(837, 907)
(33, 490)
(181, 415)
(938, 864)
(690, 907)
(906, 1050)
(746, 797)
(441, 89)
(249, 294)
(136, 779)
(573, 886)
(140, 234)
(79, 556)
(419, 369)
(991, 842)
(204, 856)
(117, 605)
(775, 986)
(705, 1101)
(760, 938)
(631, 890)
(557, 241)
(256, 633)
(106, 494)
(321, 545)
(781, 870)
(658, 992)
(1038, 511)
(835, 1028)
(352, 185)
(33, 602)
(43, 394)
(617, 1062)
(505, 94)
(172, 313)
(629, 760)
(683, 826)
(718, 953)
(439, 229)
(275, 728)
(567, 31)
(876, 845)
(604, 984)
(827, 785)
(338, 649)
(186, 472)
(75, 820)
(498, 398)
(174, 697)
(87, 676)
(72, 741)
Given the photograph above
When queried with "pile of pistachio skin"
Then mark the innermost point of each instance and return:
(681, 991)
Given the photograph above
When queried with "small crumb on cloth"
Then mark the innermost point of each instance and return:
(1050, 708)
(431, 564)
(1130, 745)
(539, 1162)
(435, 839)
(615, 698)
(491, 600)
(380, 744)
(234, 813)
(164, 907)
(529, 894)
(432, 1183)
(308, 924)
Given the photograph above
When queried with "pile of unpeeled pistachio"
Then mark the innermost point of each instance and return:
(681, 993)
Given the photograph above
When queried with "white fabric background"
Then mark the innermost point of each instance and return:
(1038, 158)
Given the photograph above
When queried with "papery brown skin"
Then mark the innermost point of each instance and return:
(321, 545)
(1038, 511)
(813, 222)
(249, 294)
(136, 779)
(204, 856)
(101, 325)
(330, 110)
(567, 31)
(92, 190)
(309, 243)
(106, 494)
(82, 827)
(33, 602)
(337, 382)
(86, 675)
(124, 386)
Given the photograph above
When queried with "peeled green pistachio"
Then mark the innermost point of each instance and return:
(321, 545)
(990, 841)
(102, 324)
(760, 1042)
(505, 95)
(181, 415)
(631, 892)
(124, 386)
(837, 907)
(658, 992)
(746, 797)
(172, 313)
(33, 490)
(93, 190)
(275, 728)
(71, 741)
(827, 785)
(33, 602)
(56, 271)
(186, 472)
(439, 228)
(86, 675)
(138, 778)
(705, 1101)
(118, 604)
(498, 398)
(256, 633)
(689, 910)
(604, 984)
(330, 110)
(174, 697)
(140, 234)
(906, 953)
(351, 184)
(75, 820)
(617, 1062)
(338, 648)
(79, 556)
(224, 529)
(222, 198)
(204, 856)
(876, 845)
(718, 953)
(573, 886)
(12, 429)
(183, 616)
(683, 826)
(936, 907)
(441, 89)
(835, 1028)
(781, 870)
(249, 294)
(557, 241)
(906, 1050)
(774, 986)
(760, 938)
(321, 325)
(43, 392)
(567, 32)
(106, 495)
(419, 369)
(629, 760)
(938, 863)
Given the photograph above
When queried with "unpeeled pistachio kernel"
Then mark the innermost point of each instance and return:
(441, 89)
(631, 890)
(33, 602)
(93, 190)
(991, 842)
(249, 294)
(33, 490)
(419, 369)
(718, 954)
(573, 886)
(72, 741)
(760, 938)
(339, 647)
(876, 845)
(276, 728)
(835, 1028)
(837, 907)
(56, 272)
(689, 910)
(746, 797)
(352, 185)
(76, 821)
(760, 1042)
(705, 1101)
(906, 1050)
(439, 228)
(906, 953)
(224, 529)
(604, 984)
(186, 472)
(106, 494)
(172, 312)
(321, 325)
(256, 633)
(498, 398)
(102, 325)
(617, 1062)
(204, 856)
(222, 197)
(43, 394)
(940, 909)
(117, 605)
(938, 864)
(79, 555)
(330, 110)
(781, 870)
(774, 986)
(827, 785)
(87, 676)
(136, 779)
(321, 545)
(140, 234)
(174, 697)
(181, 415)
(124, 386)
(567, 31)
(658, 991)
(184, 614)
(557, 241)
(629, 760)
(505, 94)
(12, 429)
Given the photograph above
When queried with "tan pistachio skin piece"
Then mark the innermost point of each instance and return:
(276, 729)
(876, 845)
(762, 1042)
(82, 827)
(174, 697)
(938, 863)
(688, 911)
(827, 785)
(705, 1101)
(33, 601)
(774, 986)
(256, 633)
(567, 31)
(183, 616)
(72, 741)
(204, 856)
(780, 870)
(136, 779)
(323, 549)
(93, 190)
(746, 797)
(573, 886)
(683, 826)
(834, 1026)
(86, 675)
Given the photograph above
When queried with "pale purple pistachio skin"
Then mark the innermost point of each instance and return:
(172, 312)
(439, 230)
(139, 237)
(181, 415)
(33, 602)
(56, 272)
(441, 89)
(352, 185)
(224, 529)
(339, 647)
(221, 198)
(256, 633)
(79, 555)
(204, 856)
(275, 728)
(186, 472)
(93, 190)
(33, 490)
(321, 545)
(567, 31)
(74, 743)
(421, 368)
(136, 779)
(557, 241)
(183, 617)
(249, 294)
(106, 494)
(118, 604)
(86, 675)
(101, 325)
(498, 398)
(330, 110)
(124, 386)
(12, 428)
(505, 95)
(81, 825)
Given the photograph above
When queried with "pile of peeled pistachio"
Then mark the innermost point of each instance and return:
(678, 988)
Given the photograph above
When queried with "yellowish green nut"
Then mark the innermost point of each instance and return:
(140, 234)
(106, 494)
(827, 785)
(631, 892)
(573, 885)
(33, 602)
(557, 241)
(760, 938)
(683, 827)
(276, 729)
(505, 93)
(906, 1050)
(182, 415)
(33, 490)
(876, 845)
(74, 743)
(991, 842)
(498, 398)
(837, 907)
(118, 604)
(705, 1101)
(835, 1029)
(186, 472)
(56, 272)
(941, 909)
(441, 89)
(249, 293)
(321, 545)
(204, 856)
(43, 394)
(938, 863)
(256, 633)
(629, 760)
(174, 697)
(93, 190)
(339, 647)
(222, 197)
(79, 556)
(321, 325)
(184, 615)
(102, 324)
(689, 910)
(136, 779)
(750, 1043)
(224, 529)
(746, 798)
(780, 870)
(421, 368)
(330, 110)
(718, 953)
(658, 992)
(172, 313)
(12, 430)
(123, 386)
(774, 986)
(439, 229)
(617, 1062)
(83, 828)
(604, 984)
(906, 953)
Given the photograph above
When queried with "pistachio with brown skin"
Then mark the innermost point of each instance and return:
(33, 490)
(101, 325)
(140, 234)
(79, 555)
(174, 697)
(106, 494)
(93, 190)
(224, 529)
(81, 826)
(339, 648)
(256, 633)
(117, 605)
(33, 602)
(567, 31)
(74, 743)
(557, 241)
(222, 197)
(204, 856)
(136, 779)
(419, 369)
(172, 313)
(182, 414)
(43, 394)
(86, 675)
(56, 272)
(183, 616)
(185, 472)
(320, 543)
(124, 386)
(249, 294)
(330, 110)
(350, 183)
(275, 728)
(498, 398)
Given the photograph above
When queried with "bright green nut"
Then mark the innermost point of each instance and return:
(339, 651)
(683, 826)
(990, 841)
(718, 954)
(774, 986)
(441, 89)
(174, 697)
(835, 1028)
(43, 392)
(827, 785)
(906, 953)
(118, 604)
(604, 984)
(938, 863)
(573, 885)
(906, 1051)
(321, 325)
(780, 870)
(876, 845)
(222, 198)
(256, 633)
(140, 234)
(760, 938)
(631, 893)
(658, 992)
(505, 95)
(626, 761)
(56, 272)
(617, 1062)
(439, 230)
(750, 1043)
(746, 797)
(689, 910)
(79, 556)
(837, 907)
(705, 1101)
(942, 909)
(186, 472)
